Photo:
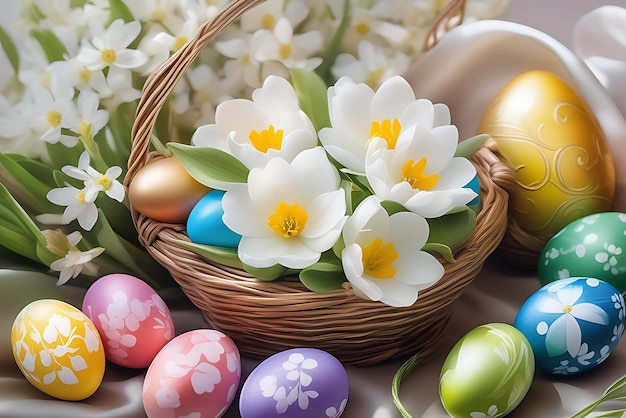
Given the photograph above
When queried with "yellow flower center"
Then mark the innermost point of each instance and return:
(85, 75)
(54, 118)
(84, 129)
(180, 41)
(245, 60)
(387, 130)
(362, 29)
(109, 56)
(80, 196)
(288, 220)
(378, 259)
(267, 138)
(415, 176)
(567, 309)
(374, 78)
(159, 15)
(268, 21)
(285, 51)
(105, 181)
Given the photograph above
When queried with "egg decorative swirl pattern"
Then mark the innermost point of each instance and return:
(563, 164)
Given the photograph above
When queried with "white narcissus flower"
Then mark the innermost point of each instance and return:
(79, 205)
(72, 261)
(282, 45)
(383, 257)
(421, 172)
(258, 130)
(109, 47)
(95, 181)
(53, 110)
(359, 114)
(287, 213)
(92, 118)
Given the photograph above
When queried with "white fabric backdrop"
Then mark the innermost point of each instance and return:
(495, 296)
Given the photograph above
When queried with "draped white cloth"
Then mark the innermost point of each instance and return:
(487, 53)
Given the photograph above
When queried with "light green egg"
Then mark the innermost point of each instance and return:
(487, 373)
(592, 246)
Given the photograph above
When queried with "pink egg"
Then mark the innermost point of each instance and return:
(133, 321)
(195, 375)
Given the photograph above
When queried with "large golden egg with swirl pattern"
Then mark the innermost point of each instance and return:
(563, 165)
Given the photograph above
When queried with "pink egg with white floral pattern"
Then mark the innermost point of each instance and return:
(133, 320)
(196, 375)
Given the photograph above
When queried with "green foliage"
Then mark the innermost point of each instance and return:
(50, 43)
(10, 50)
(311, 91)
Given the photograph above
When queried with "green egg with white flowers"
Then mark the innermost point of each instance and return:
(591, 246)
(488, 372)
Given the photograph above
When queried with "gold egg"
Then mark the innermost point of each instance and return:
(164, 191)
(563, 164)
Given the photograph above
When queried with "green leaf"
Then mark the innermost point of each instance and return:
(33, 186)
(312, 96)
(210, 166)
(453, 229)
(61, 155)
(266, 274)
(441, 249)
(615, 392)
(468, 146)
(333, 48)
(392, 207)
(10, 50)
(17, 243)
(119, 10)
(618, 413)
(404, 370)
(23, 222)
(220, 255)
(37, 169)
(51, 45)
(326, 274)
(138, 261)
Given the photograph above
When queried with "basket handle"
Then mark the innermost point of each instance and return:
(160, 83)
(452, 15)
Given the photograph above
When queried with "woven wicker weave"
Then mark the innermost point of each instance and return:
(265, 317)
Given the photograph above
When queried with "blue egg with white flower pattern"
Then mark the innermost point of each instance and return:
(572, 324)
(205, 224)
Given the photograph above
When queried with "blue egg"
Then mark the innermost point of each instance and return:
(572, 324)
(205, 224)
(474, 185)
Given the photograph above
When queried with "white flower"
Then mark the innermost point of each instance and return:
(266, 15)
(271, 125)
(120, 88)
(73, 261)
(287, 213)
(110, 47)
(53, 110)
(293, 51)
(383, 257)
(79, 205)
(92, 118)
(95, 181)
(358, 114)
(421, 172)
(182, 32)
(373, 66)
(242, 64)
(564, 334)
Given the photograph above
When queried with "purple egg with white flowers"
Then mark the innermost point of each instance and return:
(300, 382)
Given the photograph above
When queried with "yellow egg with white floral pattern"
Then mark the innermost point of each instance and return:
(58, 349)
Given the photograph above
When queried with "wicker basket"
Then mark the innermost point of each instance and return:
(266, 317)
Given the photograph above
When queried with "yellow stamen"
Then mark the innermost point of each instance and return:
(84, 129)
(567, 309)
(85, 75)
(414, 175)
(159, 15)
(54, 118)
(267, 138)
(362, 29)
(105, 181)
(288, 220)
(378, 259)
(80, 196)
(268, 21)
(285, 51)
(109, 56)
(180, 42)
(374, 78)
(386, 130)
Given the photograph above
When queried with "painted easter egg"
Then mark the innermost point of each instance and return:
(299, 382)
(572, 324)
(592, 246)
(196, 374)
(563, 165)
(205, 224)
(164, 191)
(133, 320)
(487, 373)
(58, 349)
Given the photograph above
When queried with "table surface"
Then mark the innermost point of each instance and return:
(495, 296)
